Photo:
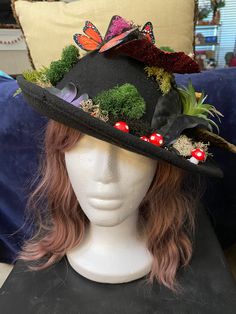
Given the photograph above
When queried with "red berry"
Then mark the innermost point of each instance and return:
(122, 126)
(156, 139)
(144, 138)
(199, 154)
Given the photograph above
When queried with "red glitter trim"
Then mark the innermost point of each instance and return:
(144, 51)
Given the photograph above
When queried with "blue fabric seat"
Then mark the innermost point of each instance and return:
(21, 135)
(220, 196)
(21, 131)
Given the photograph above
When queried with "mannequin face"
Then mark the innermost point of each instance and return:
(109, 182)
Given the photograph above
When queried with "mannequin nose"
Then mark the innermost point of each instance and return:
(106, 164)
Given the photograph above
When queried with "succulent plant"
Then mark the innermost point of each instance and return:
(193, 105)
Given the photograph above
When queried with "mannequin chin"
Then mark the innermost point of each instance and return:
(109, 183)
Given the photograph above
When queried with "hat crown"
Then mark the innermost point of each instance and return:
(96, 72)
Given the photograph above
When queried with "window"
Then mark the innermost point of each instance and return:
(228, 29)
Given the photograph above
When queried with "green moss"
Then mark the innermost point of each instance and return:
(70, 55)
(123, 100)
(162, 77)
(56, 70)
(59, 68)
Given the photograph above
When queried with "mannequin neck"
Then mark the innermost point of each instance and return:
(112, 254)
(118, 235)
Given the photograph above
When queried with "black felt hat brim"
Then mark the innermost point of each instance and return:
(61, 111)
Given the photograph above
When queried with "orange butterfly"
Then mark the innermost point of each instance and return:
(147, 30)
(92, 41)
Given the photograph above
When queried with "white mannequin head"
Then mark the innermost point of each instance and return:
(69, 174)
(109, 182)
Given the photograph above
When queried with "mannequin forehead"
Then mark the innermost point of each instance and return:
(91, 145)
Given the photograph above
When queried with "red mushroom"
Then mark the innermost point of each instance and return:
(156, 139)
(122, 126)
(197, 155)
(144, 138)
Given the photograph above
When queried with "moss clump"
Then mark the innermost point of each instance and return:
(70, 55)
(162, 77)
(123, 100)
(56, 70)
(39, 77)
(184, 145)
(59, 68)
(94, 110)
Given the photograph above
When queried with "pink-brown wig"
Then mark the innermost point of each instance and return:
(166, 213)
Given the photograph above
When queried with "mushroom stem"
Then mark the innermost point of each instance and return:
(197, 155)
(194, 160)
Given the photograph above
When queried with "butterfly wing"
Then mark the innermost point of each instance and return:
(85, 42)
(117, 40)
(147, 30)
(92, 32)
(117, 26)
(112, 21)
(92, 41)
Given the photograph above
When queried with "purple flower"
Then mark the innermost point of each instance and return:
(69, 93)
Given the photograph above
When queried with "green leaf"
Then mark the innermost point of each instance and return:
(215, 125)
(196, 107)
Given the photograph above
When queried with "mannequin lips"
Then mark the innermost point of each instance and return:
(105, 202)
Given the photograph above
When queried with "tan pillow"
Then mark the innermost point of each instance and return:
(49, 26)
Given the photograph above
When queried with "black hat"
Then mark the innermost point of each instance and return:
(123, 92)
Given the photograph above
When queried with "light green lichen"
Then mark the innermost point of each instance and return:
(162, 77)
